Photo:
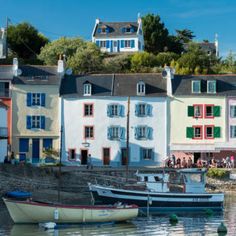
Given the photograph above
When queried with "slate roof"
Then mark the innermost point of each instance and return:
(114, 84)
(207, 47)
(116, 29)
(6, 72)
(225, 85)
(37, 75)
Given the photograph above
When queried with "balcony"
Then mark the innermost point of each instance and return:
(5, 93)
(3, 133)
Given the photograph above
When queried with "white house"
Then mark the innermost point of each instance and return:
(94, 119)
(3, 131)
(118, 37)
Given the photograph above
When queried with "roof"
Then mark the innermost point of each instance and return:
(115, 29)
(114, 84)
(205, 46)
(37, 75)
(225, 85)
(3, 105)
(6, 72)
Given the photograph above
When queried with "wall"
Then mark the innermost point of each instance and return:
(3, 142)
(74, 122)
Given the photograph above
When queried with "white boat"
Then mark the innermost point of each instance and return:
(178, 190)
(27, 211)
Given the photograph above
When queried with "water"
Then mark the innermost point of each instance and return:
(189, 224)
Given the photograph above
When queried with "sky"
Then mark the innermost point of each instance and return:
(73, 18)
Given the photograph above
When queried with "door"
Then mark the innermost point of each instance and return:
(123, 156)
(197, 155)
(23, 149)
(115, 46)
(35, 150)
(106, 156)
(84, 157)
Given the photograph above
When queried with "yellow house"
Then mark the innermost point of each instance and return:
(198, 116)
(35, 116)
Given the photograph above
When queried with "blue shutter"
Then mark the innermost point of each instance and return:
(23, 144)
(107, 30)
(121, 133)
(42, 120)
(109, 110)
(137, 109)
(122, 42)
(109, 133)
(132, 29)
(29, 95)
(136, 132)
(149, 132)
(118, 45)
(47, 143)
(43, 99)
(98, 43)
(99, 30)
(107, 44)
(132, 43)
(120, 110)
(123, 30)
(28, 122)
(148, 110)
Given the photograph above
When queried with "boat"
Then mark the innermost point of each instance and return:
(182, 189)
(28, 211)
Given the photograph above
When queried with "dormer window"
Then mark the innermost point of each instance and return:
(104, 29)
(141, 88)
(196, 86)
(87, 89)
(211, 86)
(128, 29)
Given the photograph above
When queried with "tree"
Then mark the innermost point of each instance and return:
(86, 59)
(155, 34)
(64, 46)
(25, 40)
(165, 58)
(185, 35)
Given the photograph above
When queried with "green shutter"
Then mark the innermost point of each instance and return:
(190, 111)
(189, 132)
(216, 132)
(216, 110)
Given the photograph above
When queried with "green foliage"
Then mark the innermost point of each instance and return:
(50, 152)
(217, 173)
(155, 34)
(88, 59)
(63, 46)
(143, 62)
(165, 58)
(25, 40)
(117, 64)
(185, 35)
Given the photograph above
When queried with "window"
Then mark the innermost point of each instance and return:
(209, 132)
(88, 132)
(211, 86)
(198, 111)
(143, 109)
(232, 131)
(35, 122)
(115, 133)
(197, 132)
(141, 88)
(72, 154)
(146, 153)
(209, 111)
(36, 99)
(233, 111)
(103, 44)
(115, 110)
(196, 86)
(87, 89)
(143, 132)
(88, 109)
(127, 43)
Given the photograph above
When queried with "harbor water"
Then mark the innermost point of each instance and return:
(190, 223)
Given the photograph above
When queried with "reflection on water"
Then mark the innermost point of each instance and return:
(189, 224)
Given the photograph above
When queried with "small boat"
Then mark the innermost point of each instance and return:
(182, 189)
(28, 211)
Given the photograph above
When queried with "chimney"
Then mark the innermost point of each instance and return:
(217, 45)
(139, 18)
(97, 21)
(60, 66)
(168, 74)
(15, 66)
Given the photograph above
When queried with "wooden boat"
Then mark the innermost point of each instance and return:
(161, 195)
(27, 211)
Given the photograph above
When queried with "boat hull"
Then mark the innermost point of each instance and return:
(158, 201)
(34, 212)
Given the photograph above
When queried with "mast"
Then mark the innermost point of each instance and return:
(127, 140)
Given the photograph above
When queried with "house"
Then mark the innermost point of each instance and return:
(94, 119)
(35, 112)
(3, 132)
(202, 116)
(3, 43)
(118, 37)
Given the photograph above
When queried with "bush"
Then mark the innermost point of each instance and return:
(217, 173)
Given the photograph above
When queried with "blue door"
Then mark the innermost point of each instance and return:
(23, 148)
(35, 150)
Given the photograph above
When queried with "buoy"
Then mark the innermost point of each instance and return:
(222, 229)
(209, 212)
(173, 219)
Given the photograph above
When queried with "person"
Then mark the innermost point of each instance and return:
(223, 162)
(228, 162)
(213, 162)
(199, 163)
(173, 160)
(184, 163)
(89, 162)
(190, 162)
(232, 160)
(178, 162)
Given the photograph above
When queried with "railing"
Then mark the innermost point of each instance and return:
(3, 132)
(5, 93)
